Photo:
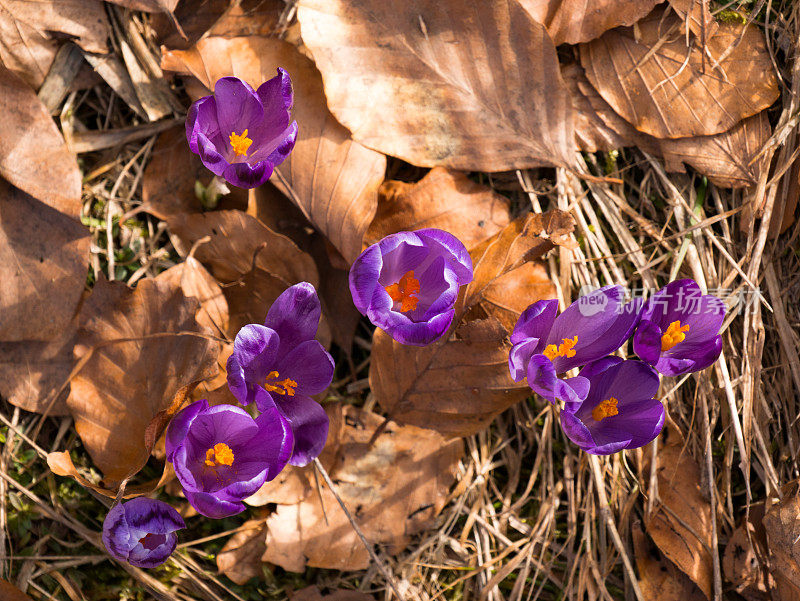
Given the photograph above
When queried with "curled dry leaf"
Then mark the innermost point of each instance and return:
(430, 82)
(253, 263)
(139, 349)
(394, 488)
(728, 159)
(443, 199)
(212, 18)
(32, 145)
(43, 264)
(658, 576)
(240, 558)
(147, 5)
(459, 383)
(741, 566)
(782, 525)
(662, 87)
(697, 16)
(332, 179)
(576, 21)
(510, 294)
(30, 33)
(680, 524)
(312, 593)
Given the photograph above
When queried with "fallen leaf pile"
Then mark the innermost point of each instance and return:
(449, 85)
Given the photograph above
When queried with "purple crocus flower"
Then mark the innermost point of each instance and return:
(619, 411)
(679, 329)
(280, 365)
(407, 283)
(142, 531)
(241, 134)
(222, 455)
(545, 344)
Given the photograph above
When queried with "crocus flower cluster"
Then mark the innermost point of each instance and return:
(223, 454)
(241, 134)
(610, 405)
(407, 283)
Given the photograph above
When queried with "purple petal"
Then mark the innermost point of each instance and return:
(543, 381)
(363, 278)
(142, 557)
(310, 426)
(179, 426)
(211, 506)
(245, 175)
(152, 516)
(535, 321)
(461, 262)
(519, 357)
(310, 365)
(238, 106)
(285, 145)
(295, 314)
(116, 534)
(405, 331)
(277, 94)
(210, 156)
(277, 439)
(255, 350)
(647, 342)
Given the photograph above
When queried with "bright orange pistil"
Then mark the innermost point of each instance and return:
(607, 408)
(286, 386)
(219, 454)
(563, 350)
(403, 292)
(240, 142)
(673, 335)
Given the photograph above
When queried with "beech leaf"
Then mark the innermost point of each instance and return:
(394, 487)
(430, 82)
(662, 87)
(44, 257)
(782, 526)
(145, 347)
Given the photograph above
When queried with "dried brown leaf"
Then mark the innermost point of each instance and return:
(191, 277)
(9, 592)
(663, 88)
(728, 158)
(443, 199)
(30, 32)
(459, 383)
(430, 82)
(394, 488)
(145, 348)
(741, 567)
(168, 180)
(240, 558)
(147, 5)
(43, 262)
(510, 294)
(680, 524)
(32, 372)
(576, 21)
(332, 179)
(209, 18)
(33, 146)
(697, 15)
(658, 576)
(782, 525)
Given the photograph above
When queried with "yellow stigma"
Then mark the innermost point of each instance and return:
(607, 408)
(219, 454)
(564, 349)
(286, 386)
(404, 292)
(240, 143)
(673, 335)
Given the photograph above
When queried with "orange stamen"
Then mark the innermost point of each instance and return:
(240, 142)
(563, 350)
(673, 335)
(403, 292)
(219, 454)
(286, 386)
(607, 408)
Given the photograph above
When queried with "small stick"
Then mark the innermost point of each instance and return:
(381, 567)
